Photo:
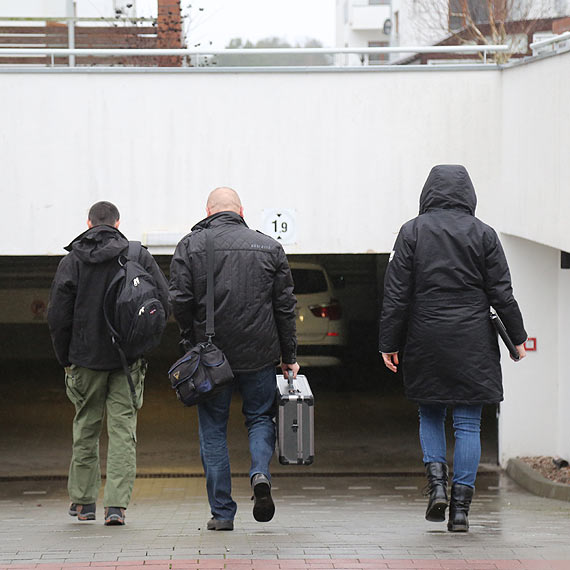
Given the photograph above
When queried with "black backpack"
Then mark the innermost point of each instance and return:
(135, 317)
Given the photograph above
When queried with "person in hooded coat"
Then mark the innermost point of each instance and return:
(94, 378)
(446, 270)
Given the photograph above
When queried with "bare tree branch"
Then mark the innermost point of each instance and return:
(479, 21)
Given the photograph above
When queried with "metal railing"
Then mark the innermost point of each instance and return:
(189, 52)
(538, 46)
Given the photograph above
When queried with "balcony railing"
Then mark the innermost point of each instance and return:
(193, 55)
(556, 43)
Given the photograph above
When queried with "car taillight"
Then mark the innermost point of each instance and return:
(331, 310)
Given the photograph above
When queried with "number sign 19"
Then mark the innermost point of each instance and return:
(280, 225)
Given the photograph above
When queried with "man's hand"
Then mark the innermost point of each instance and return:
(293, 367)
(522, 352)
(391, 360)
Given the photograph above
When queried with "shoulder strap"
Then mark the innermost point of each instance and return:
(133, 254)
(107, 300)
(134, 250)
(210, 285)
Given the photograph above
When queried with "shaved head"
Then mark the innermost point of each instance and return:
(224, 199)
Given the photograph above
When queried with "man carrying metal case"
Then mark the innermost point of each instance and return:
(254, 311)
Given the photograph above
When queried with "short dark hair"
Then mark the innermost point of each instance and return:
(104, 213)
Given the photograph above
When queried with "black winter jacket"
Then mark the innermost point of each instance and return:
(254, 303)
(446, 269)
(75, 312)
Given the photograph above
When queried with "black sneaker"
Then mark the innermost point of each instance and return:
(114, 516)
(82, 512)
(263, 506)
(220, 524)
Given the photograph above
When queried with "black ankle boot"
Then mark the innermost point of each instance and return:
(437, 491)
(461, 496)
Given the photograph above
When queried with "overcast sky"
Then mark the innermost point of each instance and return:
(295, 20)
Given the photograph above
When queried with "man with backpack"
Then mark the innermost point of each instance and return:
(254, 317)
(104, 284)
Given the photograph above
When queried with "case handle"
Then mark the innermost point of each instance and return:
(289, 376)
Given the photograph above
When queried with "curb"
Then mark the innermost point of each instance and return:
(534, 482)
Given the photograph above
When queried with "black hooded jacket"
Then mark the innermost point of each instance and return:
(75, 312)
(254, 302)
(446, 270)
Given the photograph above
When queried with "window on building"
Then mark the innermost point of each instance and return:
(461, 11)
(377, 58)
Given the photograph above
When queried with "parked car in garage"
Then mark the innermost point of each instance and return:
(321, 331)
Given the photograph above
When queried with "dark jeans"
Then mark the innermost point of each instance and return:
(467, 426)
(258, 393)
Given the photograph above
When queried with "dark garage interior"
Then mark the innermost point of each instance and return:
(363, 423)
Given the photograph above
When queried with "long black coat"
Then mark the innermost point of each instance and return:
(75, 313)
(254, 302)
(446, 269)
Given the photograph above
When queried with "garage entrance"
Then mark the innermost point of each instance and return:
(363, 422)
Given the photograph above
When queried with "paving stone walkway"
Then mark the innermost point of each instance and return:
(321, 522)
(316, 564)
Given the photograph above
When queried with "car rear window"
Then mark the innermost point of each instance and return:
(309, 281)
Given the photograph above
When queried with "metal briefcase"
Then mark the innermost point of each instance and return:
(295, 421)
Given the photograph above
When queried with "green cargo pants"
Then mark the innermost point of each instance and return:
(94, 392)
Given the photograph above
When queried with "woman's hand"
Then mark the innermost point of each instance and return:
(521, 351)
(391, 360)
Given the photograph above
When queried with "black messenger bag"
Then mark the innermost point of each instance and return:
(204, 370)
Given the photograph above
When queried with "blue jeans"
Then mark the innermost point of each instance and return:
(467, 426)
(258, 393)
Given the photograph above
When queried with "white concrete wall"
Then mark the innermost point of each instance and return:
(534, 417)
(156, 143)
(535, 168)
(563, 428)
(529, 419)
(534, 200)
(345, 150)
(339, 148)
